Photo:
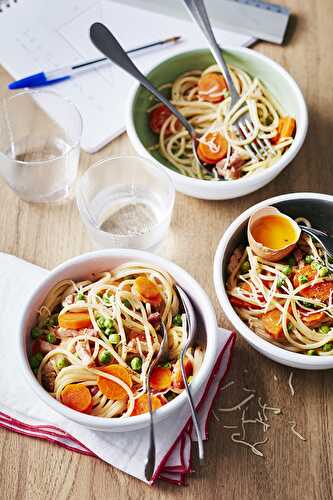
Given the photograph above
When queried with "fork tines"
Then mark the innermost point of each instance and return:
(260, 148)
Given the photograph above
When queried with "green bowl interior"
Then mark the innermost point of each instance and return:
(172, 68)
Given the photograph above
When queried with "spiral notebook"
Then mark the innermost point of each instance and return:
(42, 35)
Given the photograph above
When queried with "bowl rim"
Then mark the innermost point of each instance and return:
(277, 353)
(301, 129)
(128, 423)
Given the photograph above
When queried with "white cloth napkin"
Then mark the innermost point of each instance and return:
(21, 411)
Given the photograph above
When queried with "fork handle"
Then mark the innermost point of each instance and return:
(104, 41)
(192, 407)
(320, 236)
(198, 12)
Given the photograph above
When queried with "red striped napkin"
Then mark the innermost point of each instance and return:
(22, 412)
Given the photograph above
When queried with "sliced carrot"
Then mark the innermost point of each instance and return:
(141, 404)
(272, 323)
(111, 389)
(77, 397)
(313, 320)
(148, 290)
(160, 378)
(214, 148)
(306, 271)
(177, 377)
(286, 128)
(210, 85)
(320, 291)
(75, 320)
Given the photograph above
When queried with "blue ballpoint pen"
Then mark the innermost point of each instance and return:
(45, 78)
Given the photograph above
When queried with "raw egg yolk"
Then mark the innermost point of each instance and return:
(274, 231)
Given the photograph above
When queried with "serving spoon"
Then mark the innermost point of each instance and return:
(104, 41)
(191, 326)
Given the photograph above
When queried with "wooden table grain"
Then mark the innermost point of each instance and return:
(292, 469)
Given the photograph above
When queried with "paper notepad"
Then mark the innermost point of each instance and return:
(42, 35)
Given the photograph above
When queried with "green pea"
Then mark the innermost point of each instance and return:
(106, 299)
(292, 261)
(280, 282)
(62, 363)
(311, 352)
(114, 338)
(323, 272)
(35, 333)
(80, 296)
(127, 304)
(309, 259)
(303, 279)
(177, 320)
(324, 329)
(245, 267)
(136, 364)
(100, 322)
(327, 347)
(36, 360)
(167, 364)
(104, 357)
(316, 265)
(108, 323)
(51, 338)
(286, 270)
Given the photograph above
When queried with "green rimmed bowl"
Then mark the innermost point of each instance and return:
(282, 86)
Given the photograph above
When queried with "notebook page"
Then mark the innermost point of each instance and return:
(43, 35)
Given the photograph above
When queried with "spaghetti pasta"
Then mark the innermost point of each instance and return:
(203, 98)
(121, 311)
(288, 303)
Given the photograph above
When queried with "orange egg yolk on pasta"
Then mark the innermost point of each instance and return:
(274, 231)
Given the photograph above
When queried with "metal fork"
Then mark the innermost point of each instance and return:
(162, 357)
(191, 329)
(323, 238)
(260, 148)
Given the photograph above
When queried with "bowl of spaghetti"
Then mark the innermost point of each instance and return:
(284, 308)
(92, 328)
(195, 85)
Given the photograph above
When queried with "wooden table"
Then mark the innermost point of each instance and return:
(291, 469)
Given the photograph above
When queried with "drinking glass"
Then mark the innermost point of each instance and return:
(126, 202)
(40, 134)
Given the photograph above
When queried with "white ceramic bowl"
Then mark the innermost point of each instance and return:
(318, 208)
(81, 268)
(278, 81)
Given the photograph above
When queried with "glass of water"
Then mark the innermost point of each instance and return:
(40, 135)
(126, 202)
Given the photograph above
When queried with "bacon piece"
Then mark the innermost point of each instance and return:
(232, 170)
(154, 319)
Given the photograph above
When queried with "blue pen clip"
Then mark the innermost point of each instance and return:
(37, 80)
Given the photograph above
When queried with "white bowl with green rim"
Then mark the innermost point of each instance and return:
(282, 86)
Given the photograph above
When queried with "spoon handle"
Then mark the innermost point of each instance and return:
(104, 41)
(198, 12)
